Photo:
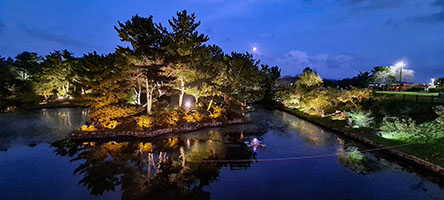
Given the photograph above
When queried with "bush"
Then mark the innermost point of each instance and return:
(194, 117)
(438, 89)
(109, 124)
(407, 130)
(144, 121)
(360, 119)
(218, 112)
(107, 113)
(88, 128)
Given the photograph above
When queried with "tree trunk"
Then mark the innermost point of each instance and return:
(182, 91)
(150, 100)
(140, 91)
(148, 107)
(196, 99)
(209, 105)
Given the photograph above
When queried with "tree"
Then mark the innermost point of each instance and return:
(57, 72)
(7, 79)
(242, 78)
(146, 58)
(27, 65)
(440, 81)
(271, 74)
(204, 76)
(392, 74)
(186, 40)
(309, 79)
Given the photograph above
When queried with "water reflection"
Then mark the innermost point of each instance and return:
(309, 132)
(39, 126)
(167, 168)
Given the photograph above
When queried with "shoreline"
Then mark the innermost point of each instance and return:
(411, 159)
(81, 135)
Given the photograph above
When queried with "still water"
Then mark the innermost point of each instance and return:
(38, 162)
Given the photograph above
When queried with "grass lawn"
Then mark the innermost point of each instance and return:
(409, 93)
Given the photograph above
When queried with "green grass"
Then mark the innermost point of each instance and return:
(409, 93)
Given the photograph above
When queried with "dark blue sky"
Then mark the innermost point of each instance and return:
(338, 38)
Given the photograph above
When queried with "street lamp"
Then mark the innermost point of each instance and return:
(400, 65)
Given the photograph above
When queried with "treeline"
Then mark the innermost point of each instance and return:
(158, 69)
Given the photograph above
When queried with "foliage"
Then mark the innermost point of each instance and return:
(88, 128)
(355, 98)
(218, 112)
(106, 113)
(360, 119)
(144, 121)
(309, 79)
(440, 81)
(408, 130)
(439, 110)
(193, 117)
(392, 74)
(109, 124)
(361, 80)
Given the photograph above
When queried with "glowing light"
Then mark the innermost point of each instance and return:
(400, 64)
(60, 97)
(254, 49)
(188, 104)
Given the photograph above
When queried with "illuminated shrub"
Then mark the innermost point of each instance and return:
(354, 98)
(360, 119)
(339, 115)
(217, 112)
(439, 110)
(147, 147)
(88, 128)
(173, 118)
(144, 121)
(194, 117)
(105, 114)
(109, 124)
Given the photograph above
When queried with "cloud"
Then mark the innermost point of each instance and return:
(53, 37)
(327, 65)
(435, 17)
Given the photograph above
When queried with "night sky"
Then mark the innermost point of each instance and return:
(337, 38)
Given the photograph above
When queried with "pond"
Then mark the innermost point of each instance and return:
(277, 156)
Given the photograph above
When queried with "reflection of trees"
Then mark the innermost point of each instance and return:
(309, 132)
(166, 168)
(353, 158)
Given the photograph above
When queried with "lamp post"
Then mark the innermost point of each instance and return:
(400, 65)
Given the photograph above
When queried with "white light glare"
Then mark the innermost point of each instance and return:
(188, 104)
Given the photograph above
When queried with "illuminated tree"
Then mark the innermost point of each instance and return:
(57, 72)
(309, 79)
(182, 51)
(242, 78)
(146, 58)
(392, 74)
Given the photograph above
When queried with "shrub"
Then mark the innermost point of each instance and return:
(194, 117)
(439, 110)
(88, 128)
(109, 124)
(360, 119)
(407, 130)
(144, 121)
(173, 118)
(107, 113)
(217, 112)
(438, 89)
